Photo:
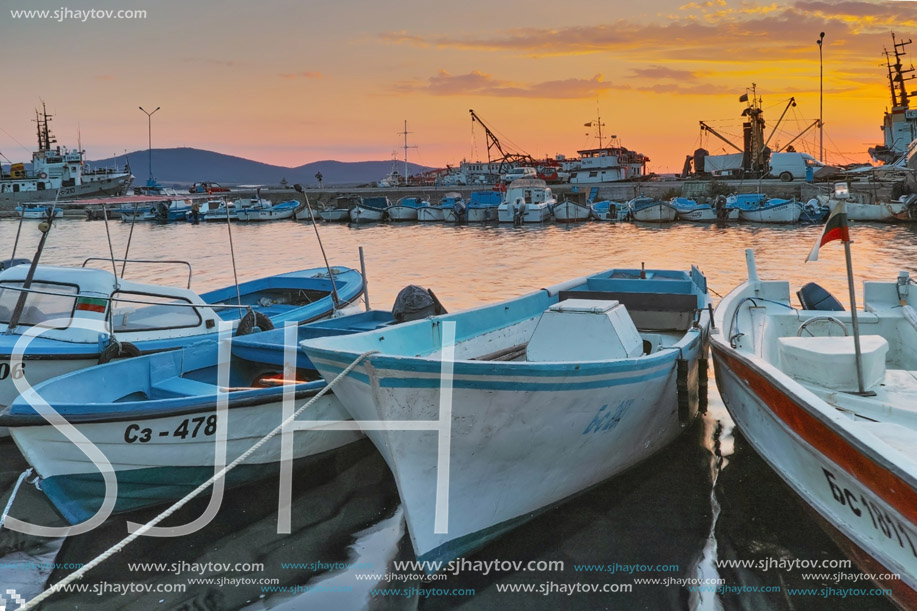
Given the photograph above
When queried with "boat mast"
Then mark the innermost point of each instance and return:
(42, 120)
(406, 147)
(901, 98)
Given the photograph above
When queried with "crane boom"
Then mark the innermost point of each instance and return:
(704, 127)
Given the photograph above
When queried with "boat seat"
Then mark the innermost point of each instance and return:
(830, 362)
(178, 386)
(658, 311)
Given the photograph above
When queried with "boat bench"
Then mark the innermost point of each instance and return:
(658, 311)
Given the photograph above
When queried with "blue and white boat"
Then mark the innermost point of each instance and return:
(95, 316)
(370, 210)
(430, 214)
(39, 211)
(758, 208)
(607, 210)
(406, 209)
(483, 205)
(651, 210)
(269, 212)
(453, 205)
(155, 418)
(813, 212)
(218, 210)
(691, 210)
(548, 394)
(339, 212)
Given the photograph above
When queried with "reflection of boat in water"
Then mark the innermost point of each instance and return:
(58, 169)
(842, 436)
(568, 354)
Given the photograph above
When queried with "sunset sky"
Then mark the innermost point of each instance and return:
(292, 81)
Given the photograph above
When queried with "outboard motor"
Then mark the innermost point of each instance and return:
(813, 297)
(459, 210)
(518, 211)
(414, 303)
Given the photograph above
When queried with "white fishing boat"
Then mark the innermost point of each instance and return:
(548, 395)
(573, 208)
(269, 212)
(156, 418)
(39, 211)
(338, 212)
(118, 317)
(370, 210)
(758, 208)
(790, 380)
(527, 200)
(607, 210)
(483, 206)
(691, 210)
(651, 210)
(406, 209)
(607, 163)
(453, 206)
(58, 172)
(430, 214)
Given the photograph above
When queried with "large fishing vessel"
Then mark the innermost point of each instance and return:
(58, 169)
(899, 126)
(609, 163)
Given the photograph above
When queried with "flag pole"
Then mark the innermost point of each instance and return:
(853, 318)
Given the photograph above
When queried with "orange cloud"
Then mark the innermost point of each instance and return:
(483, 84)
(309, 75)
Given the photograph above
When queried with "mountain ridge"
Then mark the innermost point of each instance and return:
(186, 165)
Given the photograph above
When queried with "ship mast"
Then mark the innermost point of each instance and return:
(898, 78)
(406, 147)
(42, 119)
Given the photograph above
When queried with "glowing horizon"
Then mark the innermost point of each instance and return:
(287, 84)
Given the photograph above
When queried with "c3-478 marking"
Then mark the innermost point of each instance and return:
(189, 427)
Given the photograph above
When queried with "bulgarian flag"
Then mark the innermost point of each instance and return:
(835, 229)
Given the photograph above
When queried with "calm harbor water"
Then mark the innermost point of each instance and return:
(707, 497)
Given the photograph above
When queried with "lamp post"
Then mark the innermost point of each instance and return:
(821, 122)
(149, 117)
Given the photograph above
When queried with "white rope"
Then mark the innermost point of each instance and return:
(78, 574)
(9, 505)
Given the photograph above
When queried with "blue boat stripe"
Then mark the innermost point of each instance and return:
(501, 383)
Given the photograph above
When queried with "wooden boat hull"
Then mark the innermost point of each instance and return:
(402, 213)
(481, 214)
(570, 212)
(659, 212)
(365, 214)
(339, 215)
(787, 213)
(430, 214)
(521, 436)
(849, 457)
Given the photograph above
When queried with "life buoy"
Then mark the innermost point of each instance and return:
(43, 175)
(118, 350)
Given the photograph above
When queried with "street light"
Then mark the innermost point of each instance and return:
(821, 122)
(149, 116)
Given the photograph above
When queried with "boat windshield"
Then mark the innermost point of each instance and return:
(50, 300)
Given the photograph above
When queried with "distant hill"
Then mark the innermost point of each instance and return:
(185, 166)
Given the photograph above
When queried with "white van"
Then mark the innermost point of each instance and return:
(787, 166)
(517, 173)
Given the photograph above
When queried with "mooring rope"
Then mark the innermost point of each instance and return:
(22, 477)
(78, 574)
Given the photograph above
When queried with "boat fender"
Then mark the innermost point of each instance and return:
(118, 350)
(251, 320)
(683, 390)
